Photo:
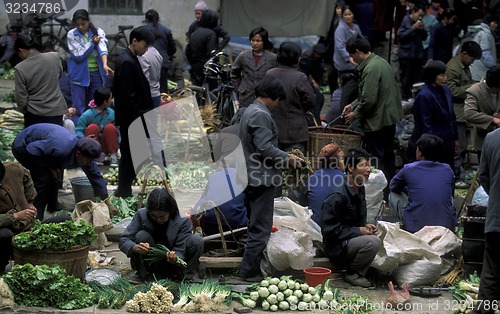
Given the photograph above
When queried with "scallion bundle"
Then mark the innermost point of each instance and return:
(158, 252)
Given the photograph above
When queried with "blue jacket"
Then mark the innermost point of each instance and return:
(320, 185)
(429, 186)
(434, 113)
(92, 116)
(53, 146)
(178, 230)
(221, 188)
(410, 41)
(80, 50)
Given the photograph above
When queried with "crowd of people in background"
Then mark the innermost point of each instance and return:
(450, 46)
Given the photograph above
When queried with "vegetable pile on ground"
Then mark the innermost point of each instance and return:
(127, 207)
(209, 296)
(157, 300)
(285, 293)
(465, 292)
(47, 286)
(189, 175)
(12, 120)
(56, 236)
(115, 294)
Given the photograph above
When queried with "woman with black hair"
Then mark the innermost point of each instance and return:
(88, 61)
(434, 113)
(290, 115)
(37, 92)
(251, 65)
(160, 223)
(164, 43)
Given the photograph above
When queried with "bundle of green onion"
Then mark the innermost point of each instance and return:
(158, 252)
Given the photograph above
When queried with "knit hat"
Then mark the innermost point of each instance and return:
(89, 147)
(329, 151)
(201, 5)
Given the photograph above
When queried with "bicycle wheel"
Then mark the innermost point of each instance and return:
(199, 92)
(226, 109)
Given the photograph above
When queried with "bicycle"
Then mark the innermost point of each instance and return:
(58, 38)
(120, 43)
(224, 96)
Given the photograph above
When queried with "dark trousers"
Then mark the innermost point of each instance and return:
(489, 288)
(30, 119)
(46, 186)
(126, 173)
(360, 252)
(163, 269)
(462, 140)
(259, 203)
(411, 70)
(164, 80)
(380, 144)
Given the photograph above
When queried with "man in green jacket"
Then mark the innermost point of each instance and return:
(378, 106)
(459, 80)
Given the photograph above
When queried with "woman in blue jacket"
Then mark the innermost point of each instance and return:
(88, 62)
(434, 113)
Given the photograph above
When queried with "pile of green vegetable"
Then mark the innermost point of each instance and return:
(119, 291)
(6, 73)
(56, 236)
(209, 296)
(189, 175)
(285, 293)
(127, 207)
(465, 292)
(47, 286)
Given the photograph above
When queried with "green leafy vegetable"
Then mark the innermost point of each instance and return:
(56, 236)
(48, 286)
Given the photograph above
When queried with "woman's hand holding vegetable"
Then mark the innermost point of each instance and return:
(141, 248)
(171, 257)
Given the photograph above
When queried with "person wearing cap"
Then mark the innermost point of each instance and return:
(222, 35)
(483, 35)
(44, 149)
(322, 181)
(459, 80)
(311, 63)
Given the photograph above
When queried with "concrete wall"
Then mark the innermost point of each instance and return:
(175, 14)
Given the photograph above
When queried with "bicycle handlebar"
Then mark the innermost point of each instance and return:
(122, 28)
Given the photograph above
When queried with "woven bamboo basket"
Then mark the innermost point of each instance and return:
(320, 136)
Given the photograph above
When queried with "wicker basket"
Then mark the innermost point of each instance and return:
(73, 260)
(320, 136)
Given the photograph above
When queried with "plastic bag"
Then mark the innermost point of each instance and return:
(480, 197)
(444, 243)
(374, 194)
(410, 259)
(291, 215)
(96, 214)
(288, 248)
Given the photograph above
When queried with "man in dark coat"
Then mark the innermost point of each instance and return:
(132, 99)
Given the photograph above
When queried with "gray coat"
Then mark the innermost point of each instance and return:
(259, 138)
(37, 85)
(178, 230)
(290, 116)
(489, 177)
(479, 110)
(245, 74)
